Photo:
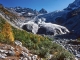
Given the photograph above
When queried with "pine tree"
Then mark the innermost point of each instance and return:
(7, 32)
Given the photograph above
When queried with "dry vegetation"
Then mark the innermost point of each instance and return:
(7, 13)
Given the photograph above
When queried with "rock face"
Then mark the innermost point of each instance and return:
(52, 29)
(73, 24)
(74, 5)
(59, 20)
(30, 27)
(73, 13)
(73, 19)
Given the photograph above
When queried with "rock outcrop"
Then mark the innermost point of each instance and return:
(16, 52)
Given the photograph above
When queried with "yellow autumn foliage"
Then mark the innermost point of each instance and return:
(7, 32)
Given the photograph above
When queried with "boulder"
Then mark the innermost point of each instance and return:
(25, 58)
(11, 53)
(18, 43)
(2, 56)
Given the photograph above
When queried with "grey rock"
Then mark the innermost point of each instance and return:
(25, 58)
(2, 51)
(24, 54)
(18, 43)
(25, 49)
(11, 53)
(34, 57)
(29, 58)
(75, 52)
(2, 56)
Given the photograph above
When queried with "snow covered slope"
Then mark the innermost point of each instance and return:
(51, 17)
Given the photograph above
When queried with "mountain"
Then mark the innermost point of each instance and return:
(18, 44)
(72, 21)
(68, 17)
(26, 12)
(74, 5)
(43, 11)
(52, 16)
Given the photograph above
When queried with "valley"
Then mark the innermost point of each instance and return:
(45, 35)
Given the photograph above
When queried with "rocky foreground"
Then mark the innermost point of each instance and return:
(73, 46)
(16, 52)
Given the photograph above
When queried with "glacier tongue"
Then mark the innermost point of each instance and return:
(52, 29)
(44, 28)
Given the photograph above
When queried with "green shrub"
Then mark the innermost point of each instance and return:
(65, 55)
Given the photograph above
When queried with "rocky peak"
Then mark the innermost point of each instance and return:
(77, 2)
(74, 5)
(43, 11)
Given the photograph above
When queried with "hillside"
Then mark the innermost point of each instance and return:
(35, 43)
(44, 47)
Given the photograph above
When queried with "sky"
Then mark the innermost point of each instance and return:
(49, 5)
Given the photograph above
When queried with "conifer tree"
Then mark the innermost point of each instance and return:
(7, 32)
